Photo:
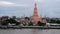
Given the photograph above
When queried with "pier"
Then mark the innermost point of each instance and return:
(27, 27)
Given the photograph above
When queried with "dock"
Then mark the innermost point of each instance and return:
(27, 27)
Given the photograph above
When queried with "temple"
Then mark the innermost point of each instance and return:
(35, 16)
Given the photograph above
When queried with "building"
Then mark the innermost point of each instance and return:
(4, 18)
(35, 18)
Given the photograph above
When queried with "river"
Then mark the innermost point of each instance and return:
(29, 31)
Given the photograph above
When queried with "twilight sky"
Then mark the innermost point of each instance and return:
(49, 8)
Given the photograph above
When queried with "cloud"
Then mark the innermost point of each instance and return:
(6, 3)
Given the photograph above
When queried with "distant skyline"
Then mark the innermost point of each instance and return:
(49, 8)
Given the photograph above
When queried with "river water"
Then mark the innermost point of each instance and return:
(29, 31)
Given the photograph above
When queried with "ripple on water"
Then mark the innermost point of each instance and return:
(29, 31)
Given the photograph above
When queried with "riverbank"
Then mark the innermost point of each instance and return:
(33, 27)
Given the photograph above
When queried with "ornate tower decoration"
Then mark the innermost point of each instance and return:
(35, 10)
(35, 16)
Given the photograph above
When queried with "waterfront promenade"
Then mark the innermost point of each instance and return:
(33, 27)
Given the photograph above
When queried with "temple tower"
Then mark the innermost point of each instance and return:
(35, 16)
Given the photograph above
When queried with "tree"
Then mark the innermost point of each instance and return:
(12, 21)
(30, 24)
(52, 21)
(40, 23)
(58, 21)
(27, 18)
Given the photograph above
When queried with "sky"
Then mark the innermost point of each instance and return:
(49, 8)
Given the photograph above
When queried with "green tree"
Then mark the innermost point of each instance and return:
(40, 23)
(58, 21)
(12, 21)
(30, 24)
(27, 18)
(52, 21)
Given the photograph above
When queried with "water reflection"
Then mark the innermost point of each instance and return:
(29, 31)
